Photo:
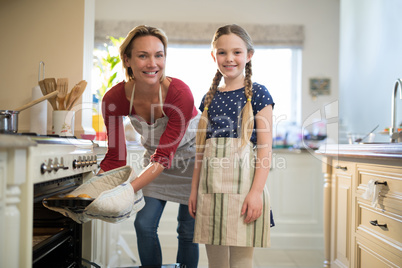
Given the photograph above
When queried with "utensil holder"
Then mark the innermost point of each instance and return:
(63, 123)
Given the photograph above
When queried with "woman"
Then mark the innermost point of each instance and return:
(162, 111)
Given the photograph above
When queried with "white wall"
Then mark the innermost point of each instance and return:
(319, 17)
(370, 62)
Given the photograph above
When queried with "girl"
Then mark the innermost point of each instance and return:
(162, 111)
(229, 199)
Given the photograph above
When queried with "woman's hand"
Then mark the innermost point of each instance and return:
(252, 207)
(192, 204)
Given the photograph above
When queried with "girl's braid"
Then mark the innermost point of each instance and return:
(247, 124)
(203, 123)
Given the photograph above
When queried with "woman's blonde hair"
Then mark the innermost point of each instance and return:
(247, 118)
(127, 45)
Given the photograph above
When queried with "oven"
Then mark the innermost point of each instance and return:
(54, 165)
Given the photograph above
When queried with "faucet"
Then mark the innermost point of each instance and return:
(393, 130)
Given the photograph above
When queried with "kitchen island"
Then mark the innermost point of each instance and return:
(362, 205)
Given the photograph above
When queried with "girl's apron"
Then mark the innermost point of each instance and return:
(225, 180)
(173, 184)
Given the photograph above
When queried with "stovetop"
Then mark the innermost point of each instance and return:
(54, 139)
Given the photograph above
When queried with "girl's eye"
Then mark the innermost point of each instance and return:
(221, 53)
(237, 52)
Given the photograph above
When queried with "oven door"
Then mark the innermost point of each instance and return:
(57, 240)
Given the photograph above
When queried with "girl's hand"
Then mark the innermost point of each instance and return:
(252, 207)
(192, 204)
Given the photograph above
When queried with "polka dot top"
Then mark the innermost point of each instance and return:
(225, 111)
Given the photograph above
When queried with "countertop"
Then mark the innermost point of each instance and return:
(374, 150)
(15, 141)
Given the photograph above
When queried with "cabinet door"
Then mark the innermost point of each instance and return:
(341, 214)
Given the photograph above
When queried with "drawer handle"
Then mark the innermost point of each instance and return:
(343, 168)
(375, 223)
(381, 182)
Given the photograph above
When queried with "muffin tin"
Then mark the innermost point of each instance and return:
(75, 204)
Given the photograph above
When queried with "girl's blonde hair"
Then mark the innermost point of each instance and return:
(247, 118)
(127, 45)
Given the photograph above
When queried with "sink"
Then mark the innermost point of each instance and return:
(375, 142)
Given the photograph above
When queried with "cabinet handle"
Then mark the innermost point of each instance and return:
(381, 182)
(375, 223)
(343, 168)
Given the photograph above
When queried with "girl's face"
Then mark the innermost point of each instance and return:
(147, 59)
(231, 56)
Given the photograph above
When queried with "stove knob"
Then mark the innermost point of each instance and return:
(56, 165)
(44, 168)
(75, 164)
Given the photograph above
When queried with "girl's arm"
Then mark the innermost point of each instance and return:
(192, 202)
(252, 206)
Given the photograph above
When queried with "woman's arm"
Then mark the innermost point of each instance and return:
(252, 206)
(147, 175)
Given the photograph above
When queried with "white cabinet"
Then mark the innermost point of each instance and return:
(295, 187)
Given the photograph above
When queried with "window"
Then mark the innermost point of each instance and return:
(276, 68)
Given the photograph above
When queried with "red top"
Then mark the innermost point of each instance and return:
(178, 107)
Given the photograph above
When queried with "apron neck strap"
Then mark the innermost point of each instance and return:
(160, 99)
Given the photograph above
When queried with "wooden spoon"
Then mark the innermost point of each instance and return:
(32, 103)
(71, 97)
(76, 93)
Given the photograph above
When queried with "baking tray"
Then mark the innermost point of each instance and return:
(75, 204)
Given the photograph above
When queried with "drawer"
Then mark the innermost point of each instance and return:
(367, 218)
(392, 177)
(371, 254)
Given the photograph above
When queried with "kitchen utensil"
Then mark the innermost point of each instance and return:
(50, 86)
(76, 93)
(8, 121)
(75, 204)
(62, 87)
(361, 139)
(71, 96)
(32, 103)
(9, 118)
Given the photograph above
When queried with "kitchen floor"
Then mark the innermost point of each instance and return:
(263, 258)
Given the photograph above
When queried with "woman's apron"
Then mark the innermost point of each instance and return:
(225, 180)
(173, 184)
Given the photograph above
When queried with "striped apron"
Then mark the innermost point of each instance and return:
(226, 177)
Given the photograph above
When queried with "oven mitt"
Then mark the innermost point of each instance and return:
(115, 200)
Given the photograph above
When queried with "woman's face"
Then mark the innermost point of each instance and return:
(147, 59)
(230, 54)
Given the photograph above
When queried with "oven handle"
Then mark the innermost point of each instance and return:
(91, 263)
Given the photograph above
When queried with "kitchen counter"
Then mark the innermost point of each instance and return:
(362, 231)
(15, 141)
(373, 151)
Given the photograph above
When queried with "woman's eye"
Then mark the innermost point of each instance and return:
(141, 56)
